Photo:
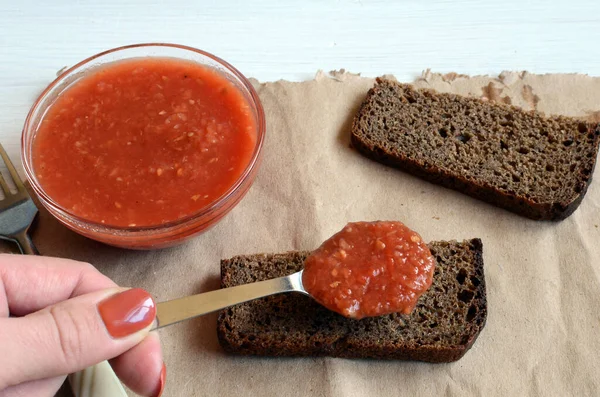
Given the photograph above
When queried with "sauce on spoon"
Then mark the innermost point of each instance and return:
(370, 269)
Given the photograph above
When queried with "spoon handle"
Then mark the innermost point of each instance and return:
(176, 310)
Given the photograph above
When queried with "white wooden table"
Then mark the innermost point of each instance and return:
(292, 39)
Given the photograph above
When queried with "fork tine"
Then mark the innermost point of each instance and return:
(13, 172)
(4, 186)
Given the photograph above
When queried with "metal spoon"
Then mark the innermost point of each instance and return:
(176, 310)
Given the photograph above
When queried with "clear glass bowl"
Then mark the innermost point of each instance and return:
(167, 234)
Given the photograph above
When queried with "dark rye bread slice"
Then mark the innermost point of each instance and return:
(443, 326)
(535, 166)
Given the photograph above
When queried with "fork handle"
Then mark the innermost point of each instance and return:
(25, 244)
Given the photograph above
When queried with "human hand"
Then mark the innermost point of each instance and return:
(59, 316)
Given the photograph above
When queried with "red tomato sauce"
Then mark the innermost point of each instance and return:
(370, 269)
(144, 142)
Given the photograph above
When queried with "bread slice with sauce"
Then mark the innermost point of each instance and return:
(443, 326)
(539, 167)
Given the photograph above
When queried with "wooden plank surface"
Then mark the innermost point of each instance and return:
(291, 40)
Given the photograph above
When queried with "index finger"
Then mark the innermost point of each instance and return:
(31, 283)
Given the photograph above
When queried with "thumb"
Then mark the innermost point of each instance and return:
(74, 334)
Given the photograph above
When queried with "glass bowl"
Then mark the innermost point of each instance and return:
(167, 234)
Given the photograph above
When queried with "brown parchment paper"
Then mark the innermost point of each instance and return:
(543, 279)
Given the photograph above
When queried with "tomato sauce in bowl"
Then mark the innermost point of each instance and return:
(144, 142)
(145, 151)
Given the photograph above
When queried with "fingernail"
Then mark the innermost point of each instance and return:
(163, 378)
(127, 312)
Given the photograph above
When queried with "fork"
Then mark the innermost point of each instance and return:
(17, 212)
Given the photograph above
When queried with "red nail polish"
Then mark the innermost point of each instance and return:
(162, 381)
(127, 312)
